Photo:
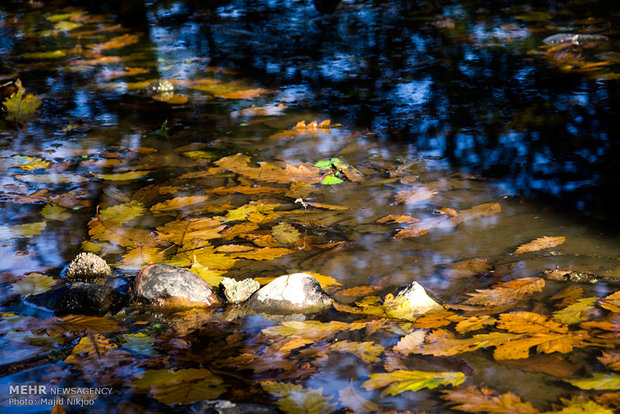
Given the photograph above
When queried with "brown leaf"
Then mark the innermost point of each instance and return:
(506, 293)
(611, 360)
(611, 302)
(415, 195)
(115, 43)
(484, 400)
(540, 244)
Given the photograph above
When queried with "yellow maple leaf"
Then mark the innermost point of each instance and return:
(400, 381)
(611, 302)
(19, 105)
(366, 351)
(294, 398)
(506, 293)
(123, 212)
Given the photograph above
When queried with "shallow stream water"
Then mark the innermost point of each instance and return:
(451, 113)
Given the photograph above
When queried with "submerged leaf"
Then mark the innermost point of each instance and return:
(540, 244)
(21, 230)
(32, 284)
(184, 386)
(472, 399)
(598, 381)
(19, 105)
(55, 212)
(123, 212)
(296, 399)
(401, 381)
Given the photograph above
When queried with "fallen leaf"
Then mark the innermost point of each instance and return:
(55, 212)
(472, 399)
(312, 329)
(598, 381)
(351, 399)
(294, 398)
(22, 230)
(400, 381)
(32, 284)
(123, 213)
(285, 233)
(611, 360)
(19, 105)
(366, 351)
(540, 244)
(127, 176)
(415, 195)
(184, 386)
(575, 313)
(611, 302)
(115, 43)
(171, 99)
(178, 203)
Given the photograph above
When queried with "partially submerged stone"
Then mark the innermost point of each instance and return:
(88, 267)
(410, 303)
(165, 285)
(575, 39)
(295, 293)
(237, 291)
(157, 87)
(90, 299)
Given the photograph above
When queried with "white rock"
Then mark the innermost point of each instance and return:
(295, 293)
(237, 291)
(410, 303)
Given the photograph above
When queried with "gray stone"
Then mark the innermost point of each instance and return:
(296, 293)
(165, 285)
(237, 291)
(228, 407)
(88, 267)
(410, 303)
(575, 39)
(157, 87)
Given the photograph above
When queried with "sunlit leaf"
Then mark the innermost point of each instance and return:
(581, 405)
(598, 381)
(472, 399)
(242, 94)
(331, 179)
(400, 381)
(123, 212)
(200, 154)
(370, 305)
(242, 213)
(575, 312)
(94, 345)
(326, 282)
(28, 163)
(294, 398)
(266, 253)
(184, 231)
(66, 26)
(312, 329)
(540, 244)
(506, 293)
(21, 230)
(55, 212)
(32, 284)
(611, 360)
(184, 386)
(437, 319)
(474, 323)
(139, 256)
(178, 203)
(611, 302)
(211, 276)
(19, 105)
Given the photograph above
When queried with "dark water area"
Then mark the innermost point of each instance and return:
(457, 137)
(472, 95)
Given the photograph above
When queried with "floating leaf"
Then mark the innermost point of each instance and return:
(366, 351)
(211, 276)
(55, 212)
(266, 253)
(178, 203)
(540, 244)
(598, 381)
(28, 163)
(400, 381)
(32, 284)
(472, 399)
(184, 386)
(326, 282)
(79, 323)
(506, 293)
(171, 99)
(115, 43)
(312, 329)
(285, 233)
(611, 302)
(19, 105)
(54, 54)
(184, 231)
(294, 398)
(575, 312)
(21, 230)
(331, 179)
(123, 212)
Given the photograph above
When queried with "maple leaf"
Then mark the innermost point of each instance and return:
(32, 284)
(312, 329)
(540, 244)
(611, 360)
(484, 400)
(400, 381)
(178, 203)
(185, 231)
(467, 268)
(294, 398)
(184, 386)
(474, 323)
(19, 105)
(137, 257)
(370, 305)
(581, 405)
(93, 345)
(415, 195)
(598, 381)
(506, 293)
(437, 319)
(55, 212)
(80, 323)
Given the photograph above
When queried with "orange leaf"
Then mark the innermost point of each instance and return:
(540, 244)
(484, 400)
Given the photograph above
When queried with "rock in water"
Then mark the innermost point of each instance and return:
(88, 267)
(410, 303)
(575, 39)
(296, 293)
(165, 285)
(90, 299)
(239, 291)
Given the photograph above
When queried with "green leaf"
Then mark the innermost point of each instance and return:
(325, 164)
(294, 398)
(331, 179)
(401, 381)
(575, 312)
(65, 26)
(127, 176)
(200, 154)
(598, 381)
